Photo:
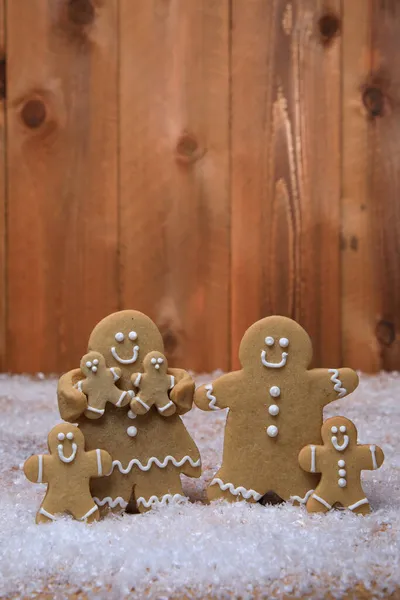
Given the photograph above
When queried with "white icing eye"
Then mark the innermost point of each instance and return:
(153, 361)
(334, 429)
(342, 429)
(119, 336)
(61, 437)
(132, 336)
(70, 435)
(269, 341)
(95, 362)
(88, 364)
(160, 361)
(284, 342)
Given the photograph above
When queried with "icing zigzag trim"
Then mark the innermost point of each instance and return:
(302, 500)
(154, 500)
(154, 460)
(211, 397)
(236, 491)
(338, 384)
(112, 503)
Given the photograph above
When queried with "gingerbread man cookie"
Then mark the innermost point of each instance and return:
(149, 452)
(67, 471)
(340, 461)
(275, 408)
(153, 385)
(99, 385)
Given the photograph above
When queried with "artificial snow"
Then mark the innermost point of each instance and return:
(195, 549)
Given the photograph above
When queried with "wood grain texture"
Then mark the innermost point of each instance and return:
(174, 174)
(385, 168)
(62, 178)
(3, 205)
(360, 287)
(286, 168)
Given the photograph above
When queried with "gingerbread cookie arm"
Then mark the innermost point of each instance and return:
(71, 401)
(309, 458)
(332, 384)
(182, 392)
(219, 394)
(100, 463)
(35, 468)
(369, 457)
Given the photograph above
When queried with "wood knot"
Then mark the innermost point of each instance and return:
(188, 149)
(374, 101)
(33, 113)
(81, 12)
(385, 332)
(329, 27)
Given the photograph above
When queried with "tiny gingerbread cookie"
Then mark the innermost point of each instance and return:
(99, 385)
(340, 461)
(275, 408)
(67, 471)
(154, 385)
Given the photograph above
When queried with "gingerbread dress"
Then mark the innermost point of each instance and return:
(149, 451)
(275, 409)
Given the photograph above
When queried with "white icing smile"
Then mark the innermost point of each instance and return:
(272, 365)
(126, 361)
(60, 448)
(346, 439)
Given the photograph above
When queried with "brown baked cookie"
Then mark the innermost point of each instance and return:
(340, 461)
(275, 408)
(99, 385)
(67, 471)
(153, 385)
(149, 452)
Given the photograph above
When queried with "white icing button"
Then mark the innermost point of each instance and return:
(342, 483)
(275, 391)
(273, 410)
(272, 431)
(341, 463)
(131, 431)
(342, 472)
(132, 335)
(284, 342)
(269, 341)
(131, 414)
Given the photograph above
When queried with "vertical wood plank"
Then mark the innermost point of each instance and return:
(62, 178)
(360, 288)
(3, 283)
(175, 174)
(383, 99)
(286, 167)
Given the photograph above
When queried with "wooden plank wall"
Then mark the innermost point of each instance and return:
(208, 162)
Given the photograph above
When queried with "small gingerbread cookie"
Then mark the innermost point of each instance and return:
(275, 407)
(340, 461)
(67, 471)
(99, 385)
(153, 385)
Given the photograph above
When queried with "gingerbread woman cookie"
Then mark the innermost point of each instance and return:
(99, 385)
(153, 385)
(340, 461)
(67, 470)
(149, 452)
(275, 408)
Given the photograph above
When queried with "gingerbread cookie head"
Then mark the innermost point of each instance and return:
(155, 361)
(124, 338)
(339, 433)
(65, 441)
(273, 343)
(91, 362)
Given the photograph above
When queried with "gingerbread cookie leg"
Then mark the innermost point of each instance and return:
(158, 487)
(87, 511)
(319, 503)
(113, 493)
